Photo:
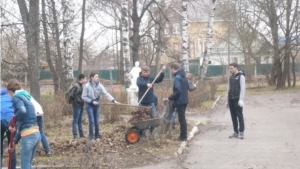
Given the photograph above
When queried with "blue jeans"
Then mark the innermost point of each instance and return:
(154, 113)
(44, 140)
(4, 129)
(93, 112)
(153, 108)
(77, 121)
(29, 144)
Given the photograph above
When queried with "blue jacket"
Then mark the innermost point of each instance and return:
(180, 94)
(141, 82)
(24, 112)
(7, 110)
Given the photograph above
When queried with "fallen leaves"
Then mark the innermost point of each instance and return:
(109, 143)
(141, 114)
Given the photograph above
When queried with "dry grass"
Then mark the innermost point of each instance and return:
(104, 154)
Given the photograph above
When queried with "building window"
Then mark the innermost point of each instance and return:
(176, 28)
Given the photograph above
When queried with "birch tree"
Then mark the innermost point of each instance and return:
(125, 43)
(68, 16)
(31, 24)
(185, 35)
(209, 35)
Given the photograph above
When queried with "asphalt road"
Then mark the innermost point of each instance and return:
(272, 137)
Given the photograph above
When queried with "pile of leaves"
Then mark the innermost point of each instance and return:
(141, 114)
(109, 143)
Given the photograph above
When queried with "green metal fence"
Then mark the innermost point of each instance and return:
(212, 71)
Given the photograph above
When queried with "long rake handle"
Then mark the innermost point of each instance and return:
(121, 104)
(151, 84)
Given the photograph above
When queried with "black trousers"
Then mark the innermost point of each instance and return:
(182, 121)
(236, 115)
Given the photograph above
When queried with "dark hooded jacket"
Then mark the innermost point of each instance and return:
(180, 94)
(142, 84)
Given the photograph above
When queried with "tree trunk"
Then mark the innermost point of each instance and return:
(287, 54)
(31, 25)
(206, 57)
(294, 72)
(276, 75)
(68, 16)
(135, 38)
(58, 60)
(125, 43)
(81, 38)
(121, 59)
(117, 49)
(47, 47)
(185, 36)
(248, 67)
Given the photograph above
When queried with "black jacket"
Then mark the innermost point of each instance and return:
(75, 95)
(142, 84)
(180, 94)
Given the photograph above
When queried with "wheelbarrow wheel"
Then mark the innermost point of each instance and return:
(132, 136)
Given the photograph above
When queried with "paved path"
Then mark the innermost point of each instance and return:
(272, 138)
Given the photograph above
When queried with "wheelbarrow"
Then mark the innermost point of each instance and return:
(133, 134)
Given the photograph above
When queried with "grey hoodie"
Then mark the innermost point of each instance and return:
(92, 93)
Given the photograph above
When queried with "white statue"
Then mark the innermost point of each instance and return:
(135, 73)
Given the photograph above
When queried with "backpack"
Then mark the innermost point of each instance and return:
(68, 92)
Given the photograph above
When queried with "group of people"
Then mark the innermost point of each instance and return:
(182, 84)
(87, 93)
(28, 113)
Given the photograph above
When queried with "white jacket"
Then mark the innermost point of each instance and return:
(38, 108)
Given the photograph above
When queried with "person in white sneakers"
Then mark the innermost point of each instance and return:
(235, 100)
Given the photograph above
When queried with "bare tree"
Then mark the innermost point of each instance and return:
(68, 17)
(81, 37)
(185, 35)
(136, 19)
(31, 23)
(47, 47)
(125, 42)
(58, 53)
(207, 52)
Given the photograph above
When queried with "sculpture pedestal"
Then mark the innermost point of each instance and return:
(132, 97)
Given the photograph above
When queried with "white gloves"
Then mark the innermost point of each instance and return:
(241, 103)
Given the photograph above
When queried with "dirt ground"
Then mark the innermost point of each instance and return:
(112, 151)
(272, 122)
